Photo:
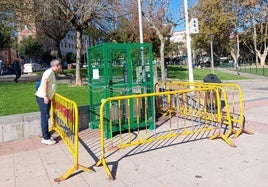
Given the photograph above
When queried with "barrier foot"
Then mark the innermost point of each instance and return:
(225, 138)
(228, 141)
(71, 171)
(106, 168)
(240, 131)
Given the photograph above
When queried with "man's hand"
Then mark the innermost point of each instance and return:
(46, 100)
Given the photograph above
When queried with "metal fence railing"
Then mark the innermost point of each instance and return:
(249, 68)
(188, 108)
(233, 103)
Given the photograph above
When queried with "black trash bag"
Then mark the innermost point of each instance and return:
(211, 78)
(212, 107)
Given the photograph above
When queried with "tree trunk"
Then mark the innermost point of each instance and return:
(57, 45)
(262, 56)
(162, 60)
(235, 50)
(78, 81)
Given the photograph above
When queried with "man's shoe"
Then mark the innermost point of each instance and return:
(48, 141)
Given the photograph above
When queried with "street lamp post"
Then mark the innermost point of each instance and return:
(211, 36)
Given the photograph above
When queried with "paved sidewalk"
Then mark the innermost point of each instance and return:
(185, 162)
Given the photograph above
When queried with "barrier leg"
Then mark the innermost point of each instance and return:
(106, 168)
(242, 129)
(223, 136)
(70, 171)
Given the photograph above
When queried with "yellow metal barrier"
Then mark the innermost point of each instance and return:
(186, 111)
(233, 103)
(64, 118)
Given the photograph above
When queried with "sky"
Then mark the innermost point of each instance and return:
(174, 6)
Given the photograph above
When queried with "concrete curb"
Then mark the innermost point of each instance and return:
(24, 126)
(21, 126)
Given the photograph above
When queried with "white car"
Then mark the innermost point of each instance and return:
(32, 67)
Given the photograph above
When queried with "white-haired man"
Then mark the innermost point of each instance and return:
(44, 94)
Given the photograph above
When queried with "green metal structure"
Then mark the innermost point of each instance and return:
(118, 69)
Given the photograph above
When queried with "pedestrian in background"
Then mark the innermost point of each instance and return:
(44, 95)
(1, 67)
(17, 70)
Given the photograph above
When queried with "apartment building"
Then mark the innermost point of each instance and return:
(178, 37)
(68, 44)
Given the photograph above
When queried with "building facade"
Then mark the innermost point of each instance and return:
(178, 37)
(68, 44)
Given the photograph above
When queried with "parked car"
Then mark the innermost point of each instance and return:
(32, 67)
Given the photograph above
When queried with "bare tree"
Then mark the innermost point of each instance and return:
(254, 20)
(36, 16)
(79, 14)
(49, 24)
(156, 14)
(235, 48)
(260, 38)
(235, 36)
(124, 26)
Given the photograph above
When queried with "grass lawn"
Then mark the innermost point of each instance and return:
(19, 98)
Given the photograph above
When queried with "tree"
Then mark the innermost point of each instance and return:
(215, 18)
(6, 28)
(80, 14)
(96, 35)
(124, 26)
(49, 25)
(36, 16)
(235, 48)
(156, 15)
(5, 37)
(30, 47)
(7, 34)
(231, 22)
(254, 19)
(235, 35)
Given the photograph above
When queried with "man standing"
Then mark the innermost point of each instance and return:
(17, 70)
(44, 95)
